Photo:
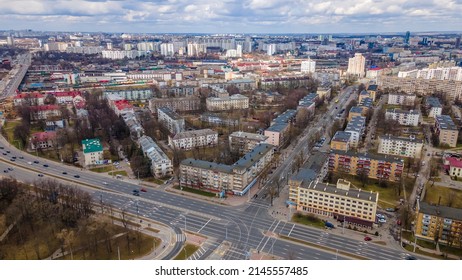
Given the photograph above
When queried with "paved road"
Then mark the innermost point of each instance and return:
(18, 72)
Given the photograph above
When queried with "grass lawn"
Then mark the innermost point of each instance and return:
(307, 220)
(154, 180)
(433, 194)
(451, 250)
(196, 191)
(102, 169)
(9, 131)
(121, 172)
(186, 252)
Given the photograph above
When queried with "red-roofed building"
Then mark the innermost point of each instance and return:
(64, 97)
(44, 112)
(43, 140)
(28, 98)
(122, 107)
(454, 165)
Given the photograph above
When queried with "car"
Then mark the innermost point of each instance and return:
(36, 162)
(29, 162)
(45, 165)
(6, 171)
(380, 216)
(4, 154)
(10, 168)
(8, 152)
(382, 221)
(21, 157)
(143, 190)
(40, 175)
(12, 159)
(390, 209)
(104, 183)
(77, 176)
(409, 257)
(64, 173)
(367, 238)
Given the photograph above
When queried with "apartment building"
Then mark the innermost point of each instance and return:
(366, 104)
(234, 179)
(451, 89)
(29, 99)
(277, 134)
(193, 138)
(357, 65)
(43, 140)
(372, 90)
(161, 165)
(131, 94)
(364, 94)
(285, 82)
(171, 120)
(401, 99)
(400, 146)
(182, 104)
(356, 128)
(233, 102)
(404, 117)
(433, 106)
(243, 142)
(65, 97)
(287, 117)
(44, 112)
(374, 166)
(355, 111)
(92, 151)
(437, 222)
(339, 201)
(446, 130)
(179, 91)
(341, 141)
(308, 102)
(453, 166)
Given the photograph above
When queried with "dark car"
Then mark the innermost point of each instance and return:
(4, 154)
(12, 159)
(367, 238)
(410, 258)
(77, 176)
(45, 165)
(6, 171)
(10, 168)
(21, 157)
(40, 175)
(7, 152)
(143, 190)
(36, 161)
(64, 173)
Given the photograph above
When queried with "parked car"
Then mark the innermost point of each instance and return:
(367, 238)
(382, 221)
(77, 176)
(390, 210)
(143, 190)
(40, 175)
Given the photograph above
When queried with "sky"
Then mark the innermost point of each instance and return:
(232, 16)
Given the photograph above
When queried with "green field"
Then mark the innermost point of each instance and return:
(447, 195)
(308, 220)
(186, 252)
(8, 129)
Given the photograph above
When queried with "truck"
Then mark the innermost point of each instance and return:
(329, 225)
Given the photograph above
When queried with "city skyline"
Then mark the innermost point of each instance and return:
(253, 16)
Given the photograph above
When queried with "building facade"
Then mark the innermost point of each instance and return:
(446, 130)
(373, 166)
(356, 128)
(433, 106)
(403, 117)
(233, 102)
(243, 142)
(183, 104)
(92, 151)
(357, 65)
(161, 165)
(401, 99)
(338, 201)
(341, 141)
(235, 179)
(171, 120)
(194, 138)
(400, 146)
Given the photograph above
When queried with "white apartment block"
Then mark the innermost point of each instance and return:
(353, 206)
(167, 49)
(434, 107)
(357, 65)
(233, 102)
(401, 99)
(400, 146)
(308, 66)
(161, 165)
(356, 128)
(113, 54)
(194, 138)
(171, 120)
(439, 73)
(409, 118)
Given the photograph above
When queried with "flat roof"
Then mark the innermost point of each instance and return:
(332, 189)
(366, 102)
(253, 156)
(400, 111)
(248, 135)
(194, 133)
(228, 98)
(356, 109)
(208, 165)
(370, 156)
(441, 211)
(341, 136)
(304, 174)
(372, 87)
(433, 102)
(286, 116)
(404, 139)
(445, 122)
(277, 127)
(170, 113)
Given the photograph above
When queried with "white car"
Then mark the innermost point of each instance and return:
(382, 221)
(29, 162)
(104, 183)
(380, 216)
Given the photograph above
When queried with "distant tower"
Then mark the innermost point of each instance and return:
(271, 49)
(357, 65)
(407, 37)
(239, 50)
(10, 41)
(457, 42)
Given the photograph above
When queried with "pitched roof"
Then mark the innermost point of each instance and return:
(455, 162)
